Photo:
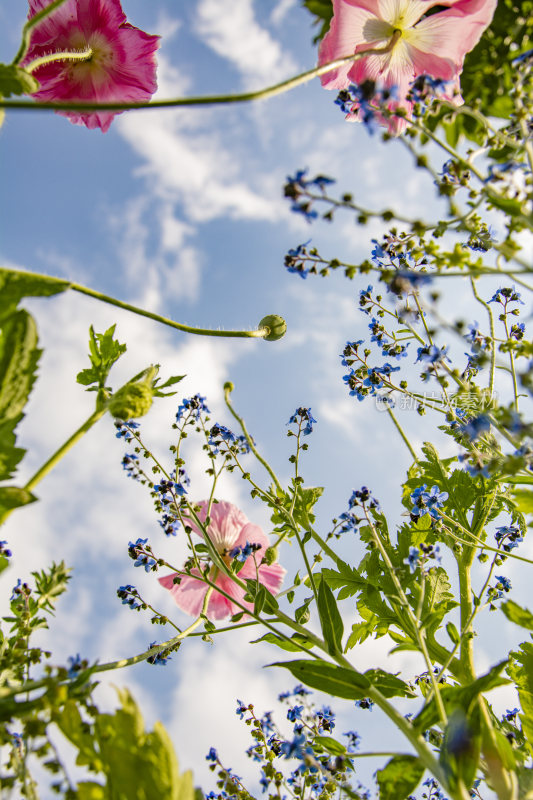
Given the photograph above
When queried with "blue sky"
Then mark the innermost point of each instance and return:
(182, 212)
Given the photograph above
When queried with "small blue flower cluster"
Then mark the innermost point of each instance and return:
(129, 596)
(192, 407)
(4, 550)
(19, 591)
(420, 556)
(366, 100)
(160, 658)
(142, 555)
(170, 524)
(169, 489)
(508, 537)
(299, 190)
(219, 433)
(131, 466)
(389, 346)
(76, 665)
(296, 259)
(243, 553)
(425, 502)
(365, 703)
(125, 429)
(300, 416)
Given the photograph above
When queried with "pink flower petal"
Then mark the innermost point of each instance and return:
(122, 68)
(451, 34)
(226, 522)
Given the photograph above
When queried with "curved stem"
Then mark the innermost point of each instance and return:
(211, 100)
(69, 55)
(402, 433)
(30, 25)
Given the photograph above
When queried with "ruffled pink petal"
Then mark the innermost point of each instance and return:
(189, 593)
(271, 576)
(453, 33)
(226, 522)
(349, 31)
(122, 70)
(254, 535)
(220, 607)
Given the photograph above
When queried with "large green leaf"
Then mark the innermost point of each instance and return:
(136, 764)
(520, 669)
(337, 681)
(17, 284)
(322, 10)
(330, 618)
(399, 777)
(345, 578)
(19, 356)
(14, 497)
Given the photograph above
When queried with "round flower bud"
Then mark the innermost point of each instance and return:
(276, 327)
(271, 555)
(132, 400)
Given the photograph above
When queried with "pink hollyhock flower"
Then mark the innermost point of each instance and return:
(121, 69)
(228, 529)
(433, 44)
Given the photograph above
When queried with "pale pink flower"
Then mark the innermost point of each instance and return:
(122, 67)
(433, 44)
(228, 528)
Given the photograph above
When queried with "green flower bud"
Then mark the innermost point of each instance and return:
(276, 327)
(271, 555)
(132, 400)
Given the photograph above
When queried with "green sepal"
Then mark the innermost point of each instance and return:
(16, 81)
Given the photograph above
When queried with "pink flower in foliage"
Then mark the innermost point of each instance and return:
(431, 42)
(233, 537)
(121, 68)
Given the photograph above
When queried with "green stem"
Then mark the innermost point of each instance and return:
(69, 55)
(57, 456)
(402, 433)
(260, 333)
(210, 100)
(492, 334)
(30, 25)
(228, 388)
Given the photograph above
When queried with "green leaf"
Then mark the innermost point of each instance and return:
(388, 684)
(89, 790)
(14, 497)
(521, 616)
(104, 351)
(292, 646)
(330, 618)
(305, 501)
(16, 81)
(399, 777)
(330, 745)
(19, 356)
(337, 681)
(524, 500)
(16, 284)
(265, 600)
(346, 578)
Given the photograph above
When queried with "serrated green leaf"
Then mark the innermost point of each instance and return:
(16, 81)
(345, 578)
(399, 777)
(330, 618)
(517, 614)
(306, 499)
(337, 681)
(19, 356)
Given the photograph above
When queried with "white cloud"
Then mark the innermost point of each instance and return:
(187, 160)
(238, 37)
